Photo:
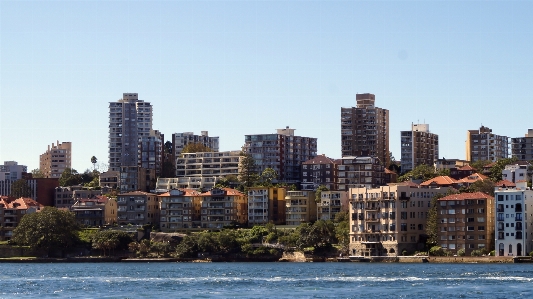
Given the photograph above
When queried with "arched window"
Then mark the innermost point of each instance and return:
(501, 249)
(510, 248)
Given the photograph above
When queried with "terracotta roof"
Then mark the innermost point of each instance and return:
(98, 199)
(188, 192)
(489, 165)
(506, 183)
(321, 159)
(409, 183)
(473, 178)
(440, 180)
(136, 193)
(229, 191)
(21, 203)
(466, 167)
(465, 196)
(388, 171)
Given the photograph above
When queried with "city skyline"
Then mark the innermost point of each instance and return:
(243, 68)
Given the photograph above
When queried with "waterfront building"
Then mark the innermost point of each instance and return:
(466, 221)
(56, 159)
(483, 145)
(96, 211)
(12, 211)
(221, 207)
(65, 197)
(137, 208)
(180, 209)
(331, 203)
(300, 207)
(365, 129)
(266, 205)
(356, 172)
(319, 171)
(512, 232)
(284, 152)
(418, 146)
(389, 220)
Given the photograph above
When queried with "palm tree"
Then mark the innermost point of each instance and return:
(94, 160)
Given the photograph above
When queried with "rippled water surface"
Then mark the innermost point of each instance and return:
(266, 280)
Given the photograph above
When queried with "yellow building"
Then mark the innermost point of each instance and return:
(300, 207)
(222, 207)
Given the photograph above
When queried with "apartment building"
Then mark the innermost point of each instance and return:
(356, 172)
(284, 152)
(365, 129)
(516, 172)
(444, 163)
(150, 154)
(522, 147)
(300, 207)
(319, 171)
(180, 140)
(331, 203)
(56, 158)
(65, 197)
(12, 211)
(221, 207)
(466, 221)
(389, 220)
(418, 146)
(206, 167)
(137, 208)
(109, 179)
(180, 209)
(96, 211)
(513, 234)
(483, 145)
(266, 205)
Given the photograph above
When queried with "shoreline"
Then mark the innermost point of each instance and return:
(402, 259)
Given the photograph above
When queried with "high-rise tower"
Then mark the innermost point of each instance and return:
(365, 129)
(419, 146)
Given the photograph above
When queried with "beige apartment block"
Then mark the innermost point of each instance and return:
(54, 161)
(137, 208)
(206, 167)
(221, 207)
(300, 207)
(388, 220)
(179, 210)
(419, 146)
(331, 203)
(266, 205)
(483, 145)
(12, 211)
(95, 211)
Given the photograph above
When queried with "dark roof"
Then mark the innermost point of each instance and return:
(321, 159)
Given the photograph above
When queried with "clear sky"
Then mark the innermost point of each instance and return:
(249, 67)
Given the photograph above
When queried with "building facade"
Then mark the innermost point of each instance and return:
(179, 210)
(300, 207)
(331, 203)
(221, 207)
(12, 211)
(319, 171)
(365, 129)
(180, 140)
(389, 220)
(266, 205)
(207, 167)
(54, 161)
(65, 197)
(95, 211)
(12, 171)
(466, 221)
(137, 208)
(513, 233)
(284, 152)
(522, 147)
(418, 146)
(483, 145)
(355, 172)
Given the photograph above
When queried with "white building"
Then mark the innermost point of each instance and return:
(515, 172)
(258, 206)
(513, 235)
(180, 140)
(11, 170)
(331, 203)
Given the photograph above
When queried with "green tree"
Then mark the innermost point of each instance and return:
(70, 177)
(268, 175)
(432, 226)
(247, 170)
(195, 147)
(227, 181)
(421, 172)
(168, 147)
(37, 173)
(108, 240)
(50, 229)
(318, 192)
(20, 188)
(342, 229)
(94, 161)
(485, 186)
(478, 165)
(496, 170)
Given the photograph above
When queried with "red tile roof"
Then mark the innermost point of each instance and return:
(321, 159)
(465, 196)
(466, 167)
(440, 180)
(506, 183)
(473, 178)
(229, 191)
(22, 203)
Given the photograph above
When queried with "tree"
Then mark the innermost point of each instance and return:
(70, 177)
(485, 186)
(195, 147)
(227, 181)
(37, 173)
(94, 160)
(432, 226)
(247, 170)
(268, 175)
(168, 147)
(496, 170)
(50, 229)
(108, 240)
(421, 172)
(318, 192)
(20, 188)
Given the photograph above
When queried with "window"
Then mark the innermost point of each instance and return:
(470, 228)
(403, 227)
(480, 219)
(412, 226)
(481, 237)
(470, 219)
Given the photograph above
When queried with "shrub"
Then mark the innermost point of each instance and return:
(436, 251)
(476, 253)
(531, 254)
(461, 252)
(492, 253)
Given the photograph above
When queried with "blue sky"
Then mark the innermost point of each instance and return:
(249, 67)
